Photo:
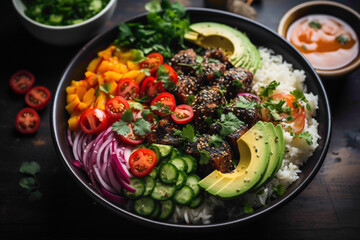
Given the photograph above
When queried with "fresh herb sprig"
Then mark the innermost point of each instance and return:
(141, 127)
(29, 181)
(164, 31)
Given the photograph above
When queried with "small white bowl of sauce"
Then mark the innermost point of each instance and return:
(326, 33)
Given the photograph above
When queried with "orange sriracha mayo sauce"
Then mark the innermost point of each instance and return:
(326, 41)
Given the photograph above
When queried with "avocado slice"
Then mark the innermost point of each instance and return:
(238, 47)
(275, 149)
(254, 151)
(280, 133)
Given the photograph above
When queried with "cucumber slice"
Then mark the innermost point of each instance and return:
(149, 185)
(179, 163)
(155, 214)
(168, 173)
(156, 150)
(139, 185)
(181, 180)
(144, 206)
(175, 153)
(184, 195)
(163, 191)
(166, 209)
(196, 201)
(165, 150)
(191, 163)
(154, 173)
(192, 181)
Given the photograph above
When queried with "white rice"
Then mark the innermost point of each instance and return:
(297, 150)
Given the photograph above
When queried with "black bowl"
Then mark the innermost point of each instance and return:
(259, 35)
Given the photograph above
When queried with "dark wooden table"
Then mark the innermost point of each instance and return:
(329, 208)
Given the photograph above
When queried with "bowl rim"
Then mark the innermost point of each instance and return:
(282, 29)
(190, 227)
(17, 3)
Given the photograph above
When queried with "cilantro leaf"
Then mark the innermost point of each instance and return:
(204, 157)
(306, 136)
(105, 87)
(267, 91)
(31, 168)
(141, 127)
(279, 189)
(229, 123)
(342, 39)
(244, 103)
(187, 133)
(137, 55)
(163, 76)
(299, 96)
(215, 140)
(315, 24)
(121, 128)
(127, 116)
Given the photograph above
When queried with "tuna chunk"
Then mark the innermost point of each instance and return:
(186, 85)
(163, 133)
(182, 59)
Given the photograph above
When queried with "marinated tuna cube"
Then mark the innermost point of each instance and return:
(186, 85)
(184, 60)
(163, 133)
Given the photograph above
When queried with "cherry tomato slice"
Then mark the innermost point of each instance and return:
(152, 62)
(142, 162)
(151, 88)
(131, 137)
(27, 121)
(172, 73)
(38, 97)
(182, 114)
(298, 113)
(22, 81)
(94, 121)
(128, 89)
(115, 107)
(167, 100)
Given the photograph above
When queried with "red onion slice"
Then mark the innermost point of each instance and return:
(112, 197)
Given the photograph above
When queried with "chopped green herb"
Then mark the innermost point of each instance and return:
(229, 123)
(342, 39)
(137, 56)
(127, 116)
(279, 189)
(105, 87)
(121, 128)
(315, 24)
(141, 127)
(187, 133)
(215, 140)
(299, 96)
(163, 76)
(244, 103)
(204, 157)
(267, 91)
(306, 136)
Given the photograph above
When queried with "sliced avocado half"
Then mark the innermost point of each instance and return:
(238, 47)
(254, 158)
(261, 151)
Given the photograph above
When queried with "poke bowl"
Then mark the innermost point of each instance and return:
(291, 177)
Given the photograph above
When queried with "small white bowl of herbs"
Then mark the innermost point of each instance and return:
(64, 22)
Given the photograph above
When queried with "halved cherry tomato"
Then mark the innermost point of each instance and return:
(182, 114)
(27, 121)
(94, 121)
(172, 73)
(152, 62)
(22, 81)
(131, 137)
(151, 88)
(142, 162)
(128, 88)
(38, 97)
(167, 100)
(298, 113)
(115, 107)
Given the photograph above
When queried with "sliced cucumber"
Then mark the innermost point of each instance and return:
(191, 163)
(192, 181)
(144, 206)
(163, 191)
(139, 186)
(149, 185)
(155, 214)
(196, 201)
(166, 209)
(165, 150)
(175, 153)
(184, 195)
(179, 163)
(154, 173)
(156, 150)
(181, 180)
(168, 173)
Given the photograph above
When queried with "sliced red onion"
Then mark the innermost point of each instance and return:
(69, 137)
(113, 197)
(76, 145)
(119, 169)
(101, 181)
(77, 163)
(112, 179)
(251, 96)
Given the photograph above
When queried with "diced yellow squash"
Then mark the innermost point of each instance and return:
(100, 100)
(73, 122)
(89, 97)
(94, 64)
(132, 66)
(112, 76)
(91, 78)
